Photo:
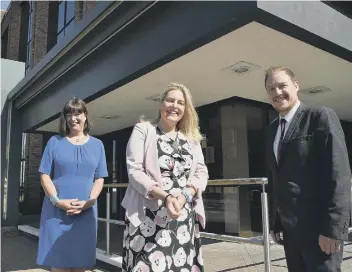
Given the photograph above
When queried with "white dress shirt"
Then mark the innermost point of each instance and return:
(288, 117)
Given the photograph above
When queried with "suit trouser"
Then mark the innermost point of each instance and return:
(306, 256)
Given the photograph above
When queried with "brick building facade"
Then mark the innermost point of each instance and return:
(29, 29)
(135, 48)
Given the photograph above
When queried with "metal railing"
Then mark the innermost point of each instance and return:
(263, 241)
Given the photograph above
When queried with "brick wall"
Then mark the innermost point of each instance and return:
(82, 8)
(13, 45)
(40, 31)
(40, 28)
(78, 10)
(87, 6)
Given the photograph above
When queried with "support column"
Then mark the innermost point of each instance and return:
(235, 165)
(12, 166)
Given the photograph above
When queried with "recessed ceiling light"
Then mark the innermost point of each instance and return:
(315, 90)
(155, 98)
(241, 68)
(109, 117)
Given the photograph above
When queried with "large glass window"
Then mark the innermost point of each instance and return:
(61, 18)
(66, 16)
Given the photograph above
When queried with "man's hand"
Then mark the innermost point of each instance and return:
(329, 245)
(277, 237)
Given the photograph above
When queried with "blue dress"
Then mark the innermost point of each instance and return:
(70, 241)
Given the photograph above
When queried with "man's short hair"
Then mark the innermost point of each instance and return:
(274, 69)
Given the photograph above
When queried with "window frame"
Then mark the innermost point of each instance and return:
(67, 21)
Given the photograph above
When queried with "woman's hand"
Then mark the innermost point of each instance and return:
(80, 206)
(66, 204)
(181, 199)
(77, 207)
(173, 207)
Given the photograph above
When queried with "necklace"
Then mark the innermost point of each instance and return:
(78, 139)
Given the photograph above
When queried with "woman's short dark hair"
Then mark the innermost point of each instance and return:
(73, 106)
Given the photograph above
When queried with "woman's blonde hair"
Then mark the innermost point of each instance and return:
(189, 123)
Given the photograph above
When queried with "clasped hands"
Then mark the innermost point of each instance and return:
(74, 206)
(174, 205)
(326, 244)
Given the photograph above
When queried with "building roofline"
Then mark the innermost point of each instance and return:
(266, 15)
(60, 50)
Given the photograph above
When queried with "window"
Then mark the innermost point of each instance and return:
(29, 34)
(66, 15)
(61, 18)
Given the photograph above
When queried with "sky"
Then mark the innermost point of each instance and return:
(4, 4)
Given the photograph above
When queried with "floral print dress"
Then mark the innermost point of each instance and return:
(160, 243)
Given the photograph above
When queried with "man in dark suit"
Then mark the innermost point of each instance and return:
(309, 178)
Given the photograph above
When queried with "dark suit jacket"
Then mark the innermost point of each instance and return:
(310, 186)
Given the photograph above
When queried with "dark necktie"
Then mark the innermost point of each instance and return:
(282, 134)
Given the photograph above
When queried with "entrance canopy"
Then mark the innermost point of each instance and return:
(232, 65)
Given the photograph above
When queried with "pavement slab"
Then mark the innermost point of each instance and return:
(18, 253)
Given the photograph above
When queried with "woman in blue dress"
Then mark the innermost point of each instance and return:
(72, 170)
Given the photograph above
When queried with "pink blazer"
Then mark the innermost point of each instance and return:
(144, 173)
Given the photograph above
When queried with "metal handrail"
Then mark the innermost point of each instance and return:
(214, 182)
(264, 241)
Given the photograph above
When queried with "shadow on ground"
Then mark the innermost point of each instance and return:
(19, 252)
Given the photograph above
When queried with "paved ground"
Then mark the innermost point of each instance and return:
(18, 253)
(226, 257)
